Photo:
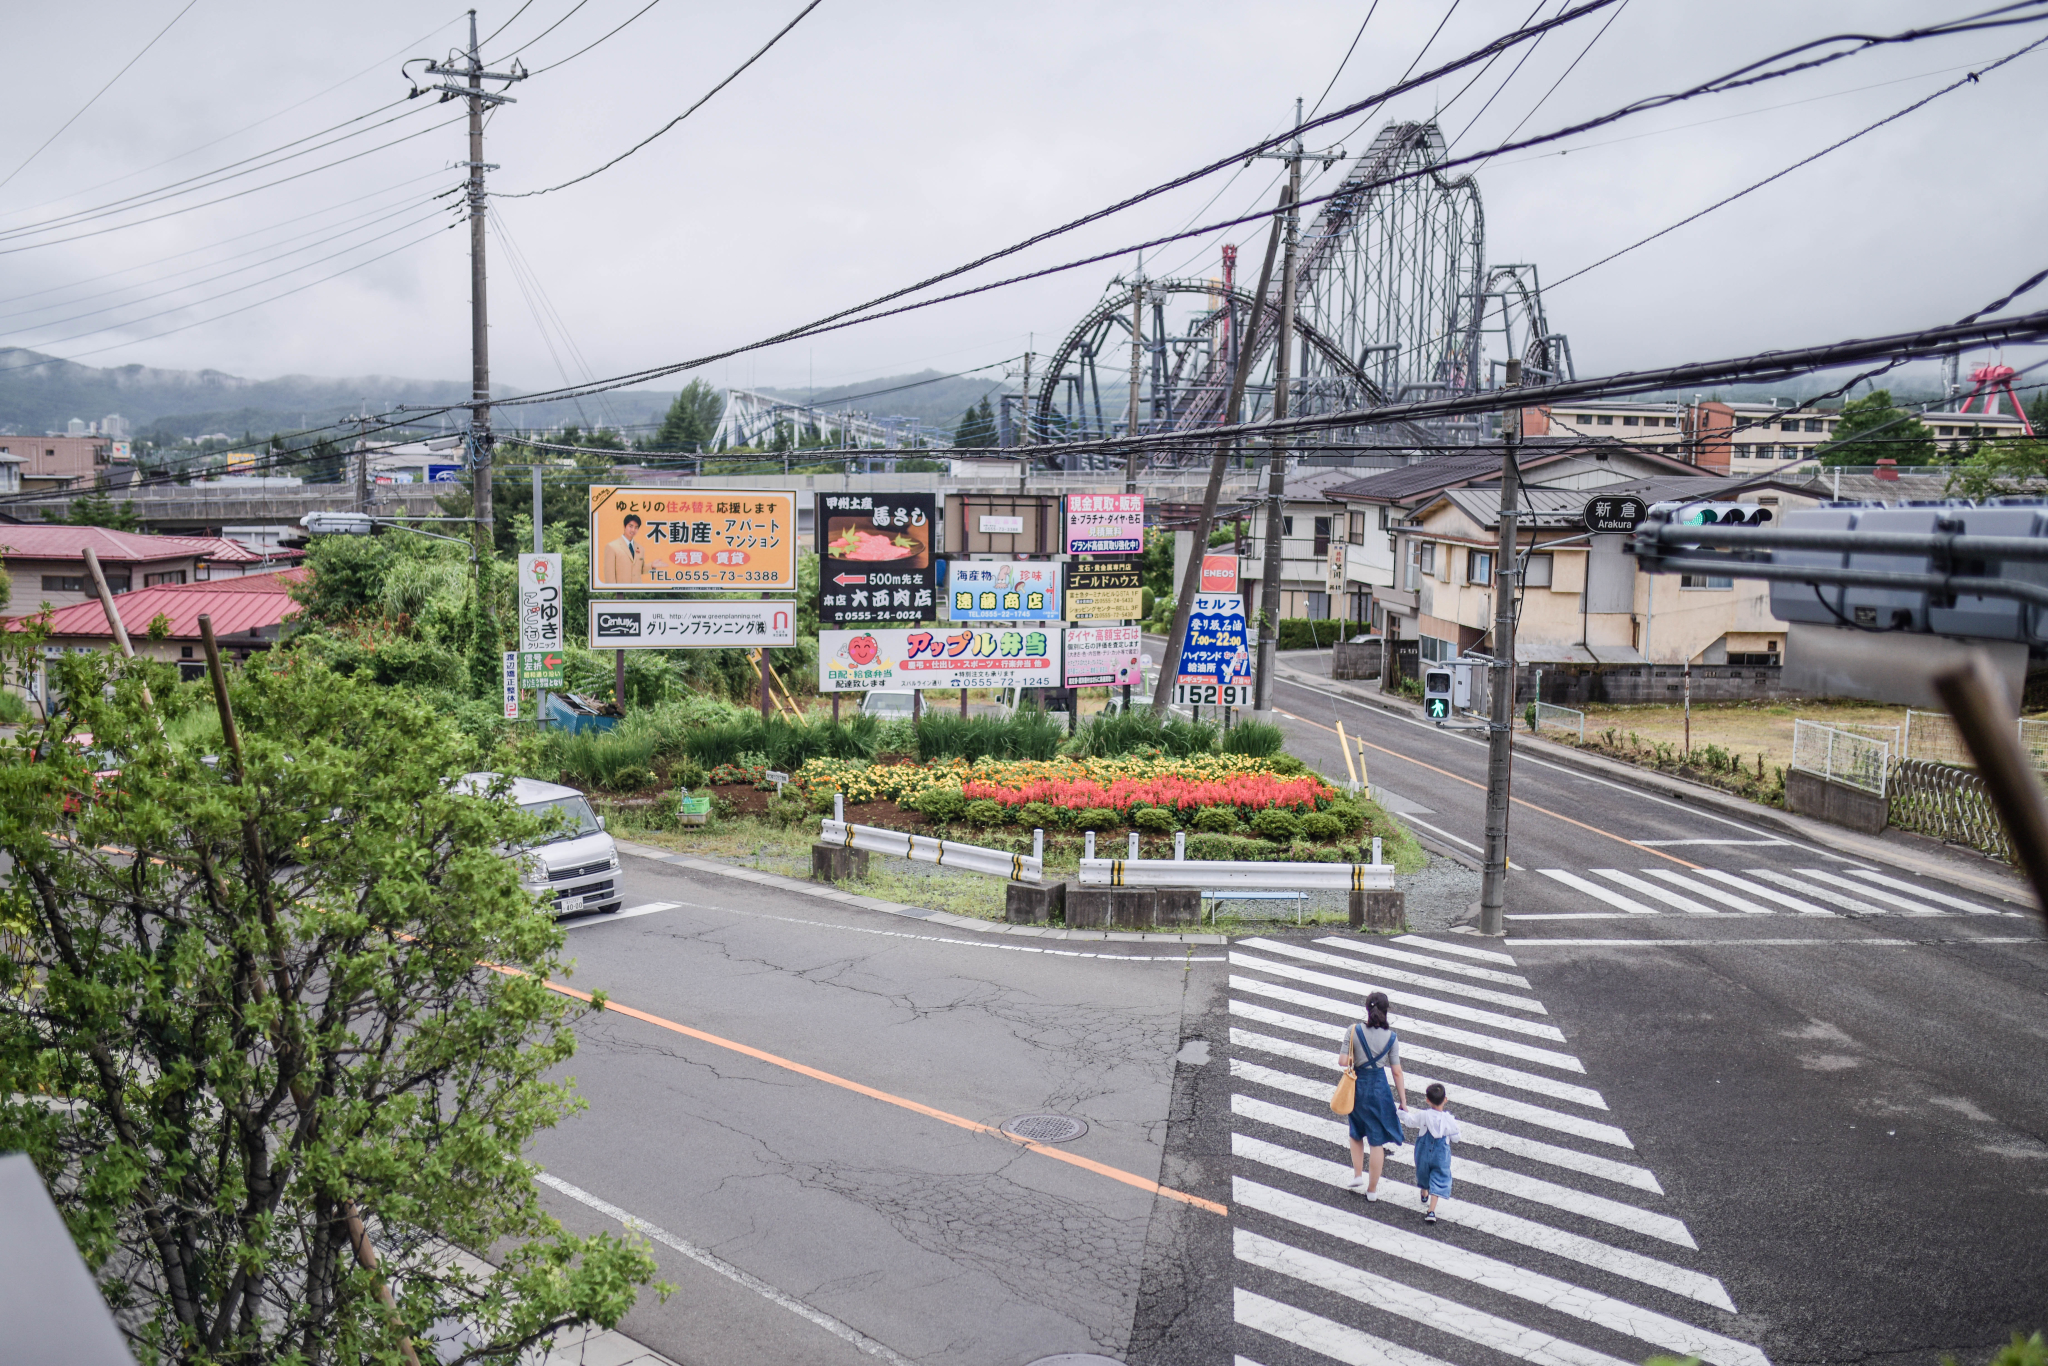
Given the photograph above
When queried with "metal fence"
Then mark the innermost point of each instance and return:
(1841, 756)
(1949, 803)
(1930, 736)
(1560, 718)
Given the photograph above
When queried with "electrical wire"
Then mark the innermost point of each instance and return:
(97, 93)
(586, 47)
(500, 28)
(701, 101)
(1317, 107)
(1545, 98)
(1498, 90)
(544, 32)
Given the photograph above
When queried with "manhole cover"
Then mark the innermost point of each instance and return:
(1046, 1128)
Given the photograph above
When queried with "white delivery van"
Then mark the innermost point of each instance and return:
(579, 865)
(889, 703)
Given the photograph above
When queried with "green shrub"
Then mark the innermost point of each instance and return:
(1097, 818)
(1038, 816)
(788, 809)
(944, 805)
(1028, 734)
(1216, 820)
(1322, 827)
(1139, 730)
(1146, 599)
(1154, 820)
(630, 778)
(1286, 765)
(1301, 633)
(1230, 847)
(985, 812)
(1350, 817)
(1259, 739)
(1275, 824)
(687, 774)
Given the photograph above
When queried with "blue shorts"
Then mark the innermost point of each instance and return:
(1433, 1164)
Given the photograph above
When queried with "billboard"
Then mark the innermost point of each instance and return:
(1214, 649)
(444, 474)
(1003, 590)
(1105, 523)
(691, 539)
(857, 661)
(511, 685)
(1219, 574)
(875, 558)
(1099, 656)
(540, 621)
(1104, 590)
(648, 624)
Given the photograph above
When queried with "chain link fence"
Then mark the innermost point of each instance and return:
(1842, 756)
(1931, 737)
(1563, 718)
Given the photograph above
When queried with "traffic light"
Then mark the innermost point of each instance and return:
(1715, 514)
(1436, 694)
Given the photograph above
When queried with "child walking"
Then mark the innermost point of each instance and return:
(1438, 1129)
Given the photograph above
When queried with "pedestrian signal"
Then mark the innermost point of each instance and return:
(1436, 694)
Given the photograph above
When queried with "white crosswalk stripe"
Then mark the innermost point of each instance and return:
(1822, 875)
(1708, 891)
(1656, 893)
(1596, 891)
(1956, 903)
(1752, 891)
(1538, 1268)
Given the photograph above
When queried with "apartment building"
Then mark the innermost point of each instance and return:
(61, 462)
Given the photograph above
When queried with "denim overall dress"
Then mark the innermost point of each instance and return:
(1372, 1114)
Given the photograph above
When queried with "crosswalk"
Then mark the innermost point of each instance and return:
(1557, 1245)
(1611, 893)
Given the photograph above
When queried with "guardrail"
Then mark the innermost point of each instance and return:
(1223, 874)
(971, 858)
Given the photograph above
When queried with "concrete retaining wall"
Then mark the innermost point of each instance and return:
(1809, 794)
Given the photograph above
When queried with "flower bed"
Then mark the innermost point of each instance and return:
(1174, 791)
(1081, 782)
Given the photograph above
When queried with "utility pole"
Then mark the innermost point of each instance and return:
(1137, 361)
(1500, 737)
(471, 73)
(1276, 484)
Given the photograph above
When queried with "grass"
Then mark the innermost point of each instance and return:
(1744, 729)
(1029, 734)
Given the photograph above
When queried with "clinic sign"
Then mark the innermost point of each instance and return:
(540, 621)
(1105, 523)
(1003, 590)
(858, 661)
(692, 540)
(647, 624)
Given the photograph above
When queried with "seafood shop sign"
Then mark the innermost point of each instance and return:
(857, 661)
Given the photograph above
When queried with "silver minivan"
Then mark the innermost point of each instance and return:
(580, 864)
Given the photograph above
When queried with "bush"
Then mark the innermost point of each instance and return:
(1146, 597)
(1028, 734)
(788, 809)
(1350, 817)
(1286, 765)
(1154, 820)
(1258, 739)
(13, 711)
(1097, 818)
(1216, 820)
(1322, 827)
(985, 812)
(1139, 730)
(1038, 816)
(630, 778)
(687, 774)
(1275, 824)
(944, 805)
(1230, 847)
(1301, 633)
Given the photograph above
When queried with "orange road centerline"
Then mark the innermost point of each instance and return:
(901, 1102)
(1459, 778)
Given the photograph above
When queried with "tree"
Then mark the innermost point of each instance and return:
(691, 419)
(97, 509)
(977, 426)
(565, 491)
(256, 973)
(1909, 441)
(1999, 469)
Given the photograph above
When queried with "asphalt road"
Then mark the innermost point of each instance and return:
(1807, 1132)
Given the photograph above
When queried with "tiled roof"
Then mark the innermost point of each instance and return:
(237, 606)
(60, 542)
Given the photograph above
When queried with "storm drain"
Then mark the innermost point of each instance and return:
(1046, 1128)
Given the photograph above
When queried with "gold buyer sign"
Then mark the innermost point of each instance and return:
(692, 540)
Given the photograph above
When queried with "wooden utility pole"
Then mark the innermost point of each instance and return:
(1500, 738)
(1276, 483)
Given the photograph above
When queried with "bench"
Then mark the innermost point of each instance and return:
(1216, 894)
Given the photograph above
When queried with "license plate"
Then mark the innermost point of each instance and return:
(568, 903)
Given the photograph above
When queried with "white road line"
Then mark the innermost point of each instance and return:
(1534, 1150)
(726, 1269)
(627, 914)
(1698, 888)
(1655, 893)
(1387, 974)
(1571, 915)
(1459, 950)
(1509, 1227)
(1485, 1071)
(1409, 1000)
(1833, 898)
(1943, 898)
(1667, 844)
(1352, 1346)
(1793, 902)
(1406, 1025)
(1551, 1293)
(975, 943)
(1596, 891)
(1752, 943)
(1463, 1096)
(1432, 1311)
(1506, 979)
(1909, 907)
(1534, 1189)
(1412, 819)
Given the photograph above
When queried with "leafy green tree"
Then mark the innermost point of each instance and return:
(564, 496)
(1909, 442)
(2000, 469)
(259, 986)
(97, 509)
(977, 426)
(691, 419)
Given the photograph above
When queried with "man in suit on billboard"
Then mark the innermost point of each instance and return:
(624, 560)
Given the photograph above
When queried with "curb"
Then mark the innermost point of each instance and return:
(1927, 863)
(928, 916)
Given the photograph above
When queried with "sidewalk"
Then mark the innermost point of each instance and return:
(1900, 849)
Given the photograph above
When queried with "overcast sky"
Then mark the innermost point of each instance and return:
(881, 141)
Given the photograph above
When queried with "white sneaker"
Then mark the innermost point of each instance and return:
(1356, 1183)
(1372, 1195)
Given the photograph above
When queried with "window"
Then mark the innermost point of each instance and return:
(1425, 557)
(184, 652)
(1606, 419)
(1789, 425)
(1286, 526)
(1814, 424)
(1435, 650)
(1631, 421)
(1479, 566)
(1537, 575)
(1704, 581)
(166, 576)
(1946, 431)
(1322, 544)
(1384, 513)
(1355, 523)
(68, 583)
(1319, 606)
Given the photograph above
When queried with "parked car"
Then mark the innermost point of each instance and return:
(888, 702)
(579, 864)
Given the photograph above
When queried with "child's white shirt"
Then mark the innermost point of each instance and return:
(1436, 1123)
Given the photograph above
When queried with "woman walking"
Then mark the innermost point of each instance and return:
(1374, 1050)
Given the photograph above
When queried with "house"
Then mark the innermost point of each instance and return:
(60, 462)
(248, 613)
(46, 564)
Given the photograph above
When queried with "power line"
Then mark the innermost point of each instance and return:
(701, 101)
(587, 46)
(544, 32)
(1545, 98)
(1317, 106)
(97, 93)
